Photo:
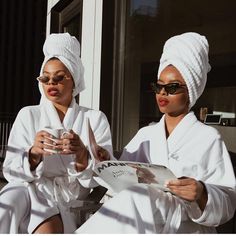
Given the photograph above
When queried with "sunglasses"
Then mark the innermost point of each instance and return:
(170, 88)
(45, 79)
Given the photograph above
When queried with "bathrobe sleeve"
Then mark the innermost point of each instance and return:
(219, 180)
(16, 164)
(198, 151)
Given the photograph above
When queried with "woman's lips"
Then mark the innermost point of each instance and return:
(52, 92)
(163, 102)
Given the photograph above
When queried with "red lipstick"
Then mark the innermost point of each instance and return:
(163, 102)
(53, 92)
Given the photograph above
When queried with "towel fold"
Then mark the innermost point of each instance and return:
(188, 52)
(67, 49)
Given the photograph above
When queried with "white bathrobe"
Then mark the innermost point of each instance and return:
(55, 185)
(194, 150)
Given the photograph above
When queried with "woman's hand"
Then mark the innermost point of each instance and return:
(101, 154)
(189, 189)
(42, 139)
(71, 143)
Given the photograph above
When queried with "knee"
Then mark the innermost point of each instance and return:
(14, 196)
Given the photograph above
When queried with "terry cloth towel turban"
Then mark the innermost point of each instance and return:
(67, 49)
(188, 52)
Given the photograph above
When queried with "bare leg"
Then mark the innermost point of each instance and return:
(51, 225)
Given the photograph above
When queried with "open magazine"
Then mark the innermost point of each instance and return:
(118, 175)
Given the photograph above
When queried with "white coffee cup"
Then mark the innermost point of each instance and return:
(56, 133)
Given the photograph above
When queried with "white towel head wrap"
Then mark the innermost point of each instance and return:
(67, 49)
(188, 52)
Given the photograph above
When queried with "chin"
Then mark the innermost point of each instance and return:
(163, 109)
(55, 100)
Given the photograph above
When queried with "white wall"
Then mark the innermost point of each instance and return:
(91, 52)
(90, 49)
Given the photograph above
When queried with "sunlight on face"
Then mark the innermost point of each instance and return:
(58, 92)
(172, 104)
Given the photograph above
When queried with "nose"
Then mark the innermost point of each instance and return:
(163, 92)
(51, 81)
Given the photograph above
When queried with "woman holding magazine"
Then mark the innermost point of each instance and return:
(47, 164)
(204, 194)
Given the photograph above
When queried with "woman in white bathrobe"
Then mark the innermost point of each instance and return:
(204, 194)
(43, 184)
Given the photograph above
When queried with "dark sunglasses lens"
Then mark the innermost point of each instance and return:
(154, 87)
(58, 79)
(171, 88)
(159, 87)
(43, 79)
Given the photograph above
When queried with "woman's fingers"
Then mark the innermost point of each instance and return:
(45, 143)
(71, 148)
(186, 188)
(71, 143)
(103, 154)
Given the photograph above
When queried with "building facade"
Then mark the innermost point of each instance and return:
(121, 44)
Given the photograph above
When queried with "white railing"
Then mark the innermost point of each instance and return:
(5, 128)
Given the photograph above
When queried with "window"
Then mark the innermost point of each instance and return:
(142, 27)
(66, 16)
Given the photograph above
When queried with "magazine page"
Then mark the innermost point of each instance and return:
(96, 152)
(119, 175)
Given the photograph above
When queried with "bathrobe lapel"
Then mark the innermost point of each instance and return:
(161, 149)
(49, 116)
(158, 144)
(177, 138)
(70, 116)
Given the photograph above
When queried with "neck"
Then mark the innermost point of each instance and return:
(171, 122)
(61, 110)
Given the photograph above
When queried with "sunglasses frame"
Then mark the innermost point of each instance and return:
(53, 79)
(170, 88)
